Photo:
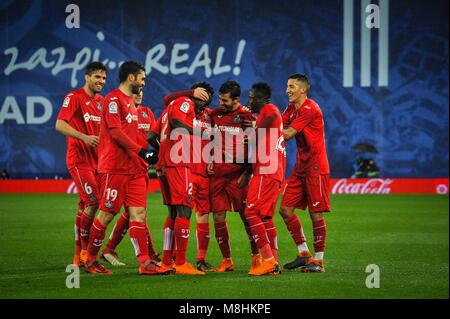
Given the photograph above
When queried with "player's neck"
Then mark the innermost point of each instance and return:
(125, 89)
(300, 102)
(88, 91)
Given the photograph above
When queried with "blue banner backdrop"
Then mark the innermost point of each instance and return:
(385, 84)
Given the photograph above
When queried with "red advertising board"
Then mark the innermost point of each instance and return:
(338, 186)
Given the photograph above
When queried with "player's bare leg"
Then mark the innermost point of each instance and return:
(223, 240)
(295, 228)
(203, 236)
(319, 231)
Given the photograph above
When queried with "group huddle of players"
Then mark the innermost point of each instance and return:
(112, 140)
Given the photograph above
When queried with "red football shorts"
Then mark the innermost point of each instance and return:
(225, 194)
(262, 197)
(200, 194)
(87, 182)
(176, 185)
(117, 189)
(307, 191)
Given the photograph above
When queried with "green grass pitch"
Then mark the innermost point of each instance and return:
(407, 236)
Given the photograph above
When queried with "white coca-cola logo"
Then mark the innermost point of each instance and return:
(72, 189)
(370, 186)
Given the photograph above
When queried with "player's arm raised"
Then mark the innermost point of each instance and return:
(64, 128)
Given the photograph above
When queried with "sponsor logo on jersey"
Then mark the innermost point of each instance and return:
(66, 102)
(112, 108)
(184, 107)
(89, 117)
(143, 126)
(131, 118)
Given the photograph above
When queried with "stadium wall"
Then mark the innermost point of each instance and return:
(379, 79)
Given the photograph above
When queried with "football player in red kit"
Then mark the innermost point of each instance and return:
(200, 177)
(79, 119)
(145, 120)
(176, 127)
(268, 167)
(122, 167)
(229, 176)
(309, 184)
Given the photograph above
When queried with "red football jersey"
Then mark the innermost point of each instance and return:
(145, 122)
(182, 109)
(311, 151)
(84, 114)
(229, 125)
(270, 154)
(119, 111)
(202, 121)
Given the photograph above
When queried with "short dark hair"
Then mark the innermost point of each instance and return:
(231, 87)
(263, 90)
(301, 77)
(95, 66)
(207, 87)
(129, 67)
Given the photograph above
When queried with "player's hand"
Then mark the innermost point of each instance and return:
(210, 169)
(244, 179)
(91, 140)
(151, 157)
(201, 94)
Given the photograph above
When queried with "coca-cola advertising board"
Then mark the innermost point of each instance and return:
(338, 186)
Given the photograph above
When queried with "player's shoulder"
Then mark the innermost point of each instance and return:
(311, 103)
(114, 95)
(183, 103)
(244, 109)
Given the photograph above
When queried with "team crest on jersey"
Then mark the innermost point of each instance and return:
(144, 115)
(99, 106)
(66, 102)
(237, 118)
(113, 108)
(108, 204)
(184, 107)
(92, 198)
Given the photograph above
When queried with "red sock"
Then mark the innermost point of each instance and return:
(253, 246)
(260, 235)
(77, 232)
(223, 238)
(96, 237)
(151, 247)
(320, 233)
(181, 231)
(85, 228)
(138, 236)
(294, 226)
(168, 241)
(202, 240)
(272, 236)
(119, 231)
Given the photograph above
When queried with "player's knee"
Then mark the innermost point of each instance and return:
(286, 212)
(105, 217)
(202, 218)
(219, 217)
(91, 210)
(137, 214)
(316, 216)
